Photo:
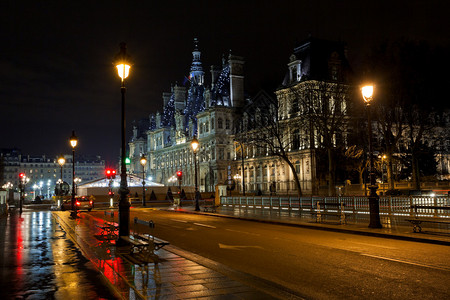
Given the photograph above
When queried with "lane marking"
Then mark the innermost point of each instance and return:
(407, 262)
(236, 247)
(373, 245)
(182, 221)
(244, 232)
(204, 225)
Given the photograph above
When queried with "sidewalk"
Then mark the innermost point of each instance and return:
(173, 277)
(394, 227)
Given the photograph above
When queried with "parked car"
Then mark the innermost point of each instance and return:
(80, 203)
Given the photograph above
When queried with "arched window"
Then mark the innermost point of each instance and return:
(219, 123)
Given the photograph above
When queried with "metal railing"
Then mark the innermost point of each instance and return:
(389, 205)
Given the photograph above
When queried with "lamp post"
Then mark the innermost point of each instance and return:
(73, 142)
(143, 162)
(61, 162)
(48, 188)
(242, 163)
(237, 177)
(77, 182)
(374, 200)
(195, 145)
(123, 65)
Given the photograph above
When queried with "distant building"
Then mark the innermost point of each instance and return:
(43, 172)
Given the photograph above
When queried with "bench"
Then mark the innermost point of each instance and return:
(322, 209)
(137, 246)
(210, 208)
(108, 228)
(416, 221)
(149, 238)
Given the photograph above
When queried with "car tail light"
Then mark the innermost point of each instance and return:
(78, 203)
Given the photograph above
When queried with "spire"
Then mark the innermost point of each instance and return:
(195, 44)
(196, 73)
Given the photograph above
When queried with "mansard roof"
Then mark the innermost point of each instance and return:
(316, 55)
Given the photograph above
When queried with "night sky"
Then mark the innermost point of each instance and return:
(56, 56)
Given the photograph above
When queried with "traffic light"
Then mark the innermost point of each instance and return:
(179, 175)
(113, 174)
(111, 193)
(21, 176)
(108, 173)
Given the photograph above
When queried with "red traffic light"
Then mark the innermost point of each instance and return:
(179, 175)
(113, 174)
(21, 175)
(108, 173)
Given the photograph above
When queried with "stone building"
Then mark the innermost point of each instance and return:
(46, 170)
(207, 112)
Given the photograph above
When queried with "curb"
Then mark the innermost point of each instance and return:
(332, 229)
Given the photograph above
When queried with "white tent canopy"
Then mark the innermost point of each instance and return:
(132, 181)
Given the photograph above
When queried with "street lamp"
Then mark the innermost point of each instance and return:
(41, 183)
(48, 188)
(242, 162)
(77, 181)
(123, 65)
(61, 162)
(374, 200)
(143, 162)
(237, 177)
(195, 145)
(73, 142)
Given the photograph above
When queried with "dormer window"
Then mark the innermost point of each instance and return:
(295, 69)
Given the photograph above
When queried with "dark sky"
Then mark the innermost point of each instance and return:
(56, 56)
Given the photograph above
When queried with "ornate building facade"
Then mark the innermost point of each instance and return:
(312, 109)
(207, 112)
(216, 113)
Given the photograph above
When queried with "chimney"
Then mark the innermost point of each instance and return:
(236, 80)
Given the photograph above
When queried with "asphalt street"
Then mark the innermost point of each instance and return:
(314, 264)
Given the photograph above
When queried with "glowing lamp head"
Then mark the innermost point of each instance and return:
(73, 140)
(367, 93)
(143, 160)
(61, 161)
(195, 144)
(122, 62)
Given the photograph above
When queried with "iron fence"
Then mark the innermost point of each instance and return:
(389, 205)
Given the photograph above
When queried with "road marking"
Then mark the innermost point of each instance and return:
(407, 262)
(231, 247)
(373, 245)
(182, 221)
(204, 225)
(245, 232)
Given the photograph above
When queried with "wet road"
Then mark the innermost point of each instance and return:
(38, 261)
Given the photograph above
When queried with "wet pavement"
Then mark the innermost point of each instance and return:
(38, 261)
(161, 274)
(47, 255)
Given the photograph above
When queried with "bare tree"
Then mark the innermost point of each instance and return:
(266, 133)
(324, 108)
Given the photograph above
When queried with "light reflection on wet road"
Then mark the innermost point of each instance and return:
(38, 261)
